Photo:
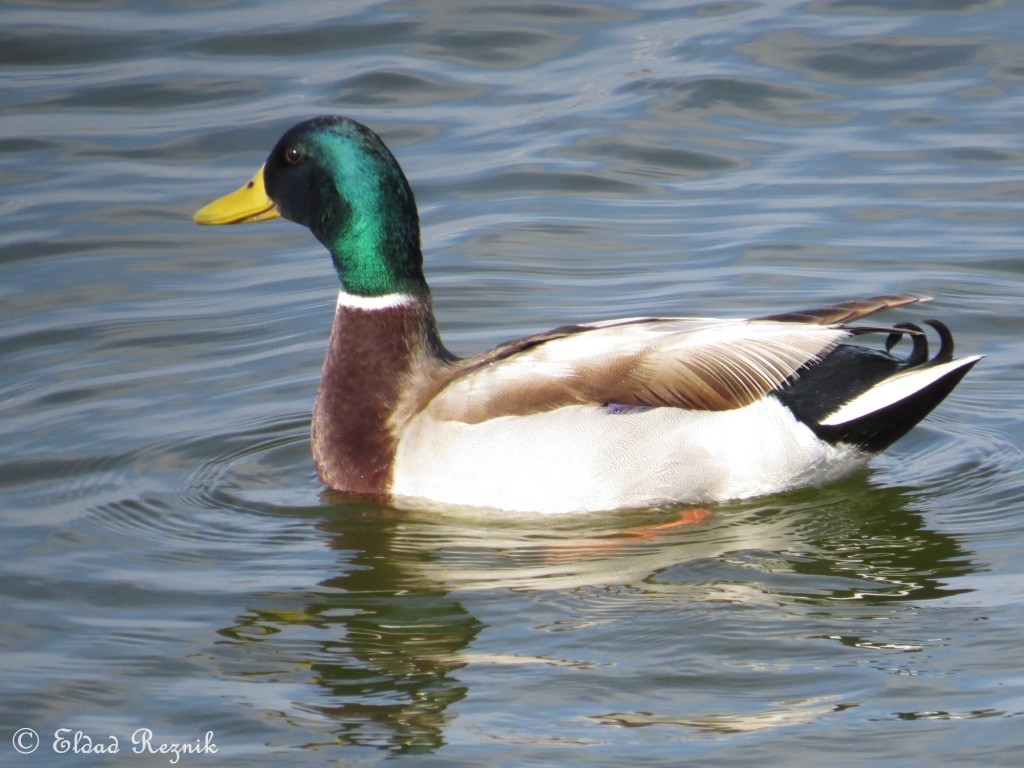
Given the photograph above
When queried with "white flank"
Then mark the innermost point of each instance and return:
(373, 303)
(585, 458)
(893, 390)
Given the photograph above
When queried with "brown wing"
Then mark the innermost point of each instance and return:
(683, 363)
(846, 311)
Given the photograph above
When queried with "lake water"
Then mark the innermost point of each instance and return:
(168, 560)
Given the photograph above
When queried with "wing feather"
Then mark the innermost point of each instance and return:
(673, 362)
(847, 311)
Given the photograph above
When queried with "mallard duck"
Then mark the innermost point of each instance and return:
(586, 417)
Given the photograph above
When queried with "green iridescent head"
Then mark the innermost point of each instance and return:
(336, 177)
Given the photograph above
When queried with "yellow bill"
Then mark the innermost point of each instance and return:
(243, 206)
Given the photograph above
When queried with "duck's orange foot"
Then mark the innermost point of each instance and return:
(683, 517)
(603, 544)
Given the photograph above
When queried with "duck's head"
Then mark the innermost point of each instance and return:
(337, 178)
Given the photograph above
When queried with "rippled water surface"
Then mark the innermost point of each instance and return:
(168, 559)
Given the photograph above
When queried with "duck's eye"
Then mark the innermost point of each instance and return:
(293, 155)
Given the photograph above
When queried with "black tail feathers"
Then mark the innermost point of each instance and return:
(870, 398)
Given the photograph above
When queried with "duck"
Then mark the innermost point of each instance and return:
(630, 413)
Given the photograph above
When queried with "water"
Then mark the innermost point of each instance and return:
(167, 558)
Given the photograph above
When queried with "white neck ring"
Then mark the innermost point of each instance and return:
(373, 303)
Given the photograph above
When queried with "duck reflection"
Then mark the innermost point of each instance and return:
(390, 670)
(871, 548)
(382, 657)
(383, 640)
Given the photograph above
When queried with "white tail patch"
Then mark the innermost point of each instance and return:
(893, 390)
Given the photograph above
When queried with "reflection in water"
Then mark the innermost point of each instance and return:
(872, 548)
(382, 657)
(386, 637)
(785, 714)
